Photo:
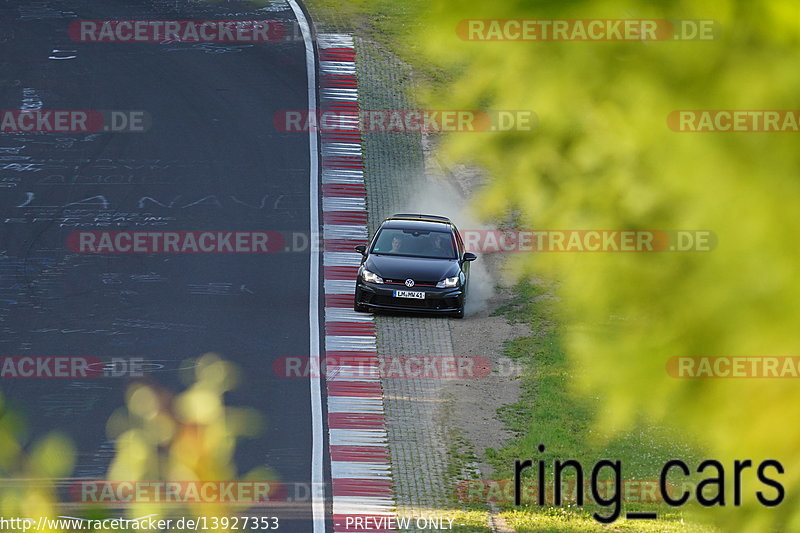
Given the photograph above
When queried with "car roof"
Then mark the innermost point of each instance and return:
(418, 221)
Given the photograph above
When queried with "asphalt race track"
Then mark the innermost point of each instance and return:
(210, 160)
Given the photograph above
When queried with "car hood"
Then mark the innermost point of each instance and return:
(417, 268)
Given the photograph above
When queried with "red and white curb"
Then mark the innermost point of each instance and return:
(360, 468)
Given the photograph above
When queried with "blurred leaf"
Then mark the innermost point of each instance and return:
(53, 456)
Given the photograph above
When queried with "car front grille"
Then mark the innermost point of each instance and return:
(416, 283)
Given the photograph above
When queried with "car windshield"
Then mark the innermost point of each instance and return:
(415, 243)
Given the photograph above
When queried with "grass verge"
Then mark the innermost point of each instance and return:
(550, 414)
(391, 25)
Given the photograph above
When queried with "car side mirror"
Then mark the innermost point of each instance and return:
(362, 249)
(469, 256)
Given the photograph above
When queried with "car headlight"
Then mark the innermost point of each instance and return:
(372, 277)
(448, 283)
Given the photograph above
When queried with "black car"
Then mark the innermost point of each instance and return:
(414, 263)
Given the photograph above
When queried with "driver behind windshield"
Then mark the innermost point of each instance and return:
(420, 244)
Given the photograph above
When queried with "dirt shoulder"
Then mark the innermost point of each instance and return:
(473, 403)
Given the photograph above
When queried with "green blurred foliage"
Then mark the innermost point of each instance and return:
(159, 435)
(603, 157)
(188, 437)
(29, 472)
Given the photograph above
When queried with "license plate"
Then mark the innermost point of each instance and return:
(409, 294)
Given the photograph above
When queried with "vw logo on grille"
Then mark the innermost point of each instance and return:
(409, 282)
